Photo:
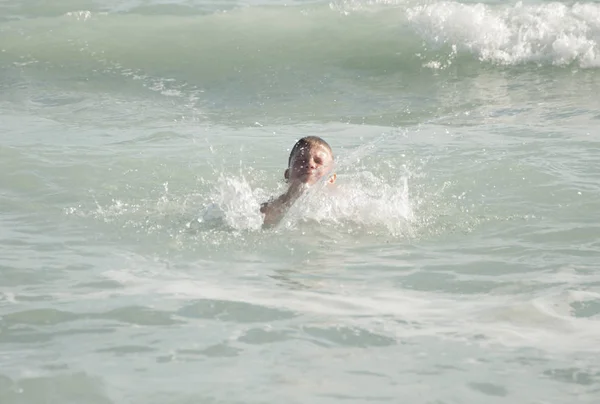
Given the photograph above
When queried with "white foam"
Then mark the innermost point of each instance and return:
(555, 33)
(8, 297)
(84, 15)
(516, 321)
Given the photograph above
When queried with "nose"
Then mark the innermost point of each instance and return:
(311, 164)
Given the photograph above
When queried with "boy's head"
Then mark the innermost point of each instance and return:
(310, 159)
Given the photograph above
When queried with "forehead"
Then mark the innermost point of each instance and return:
(315, 149)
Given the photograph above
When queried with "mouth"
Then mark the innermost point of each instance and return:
(307, 174)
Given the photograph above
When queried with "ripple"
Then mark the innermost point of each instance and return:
(233, 311)
(349, 336)
(220, 350)
(258, 336)
(39, 317)
(141, 316)
(126, 349)
(61, 388)
(574, 375)
(489, 389)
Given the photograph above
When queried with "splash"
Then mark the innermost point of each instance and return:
(362, 202)
(370, 195)
(235, 205)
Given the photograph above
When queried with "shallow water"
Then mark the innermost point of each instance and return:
(457, 262)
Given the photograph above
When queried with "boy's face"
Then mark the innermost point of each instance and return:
(309, 164)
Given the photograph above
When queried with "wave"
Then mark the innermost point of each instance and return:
(374, 36)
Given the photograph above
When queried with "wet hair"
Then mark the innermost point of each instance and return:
(308, 142)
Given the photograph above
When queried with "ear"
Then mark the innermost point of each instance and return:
(332, 178)
(286, 174)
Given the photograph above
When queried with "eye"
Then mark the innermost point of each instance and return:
(318, 160)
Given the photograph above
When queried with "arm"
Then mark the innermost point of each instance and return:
(274, 210)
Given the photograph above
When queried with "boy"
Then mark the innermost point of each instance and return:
(310, 160)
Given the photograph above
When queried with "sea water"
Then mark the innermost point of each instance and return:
(456, 261)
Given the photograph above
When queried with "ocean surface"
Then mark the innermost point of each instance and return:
(458, 261)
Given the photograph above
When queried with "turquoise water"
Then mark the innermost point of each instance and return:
(458, 262)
